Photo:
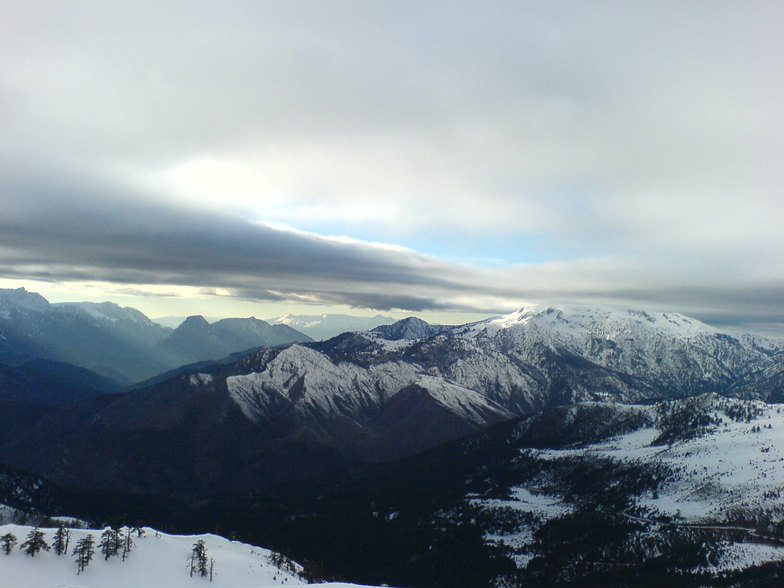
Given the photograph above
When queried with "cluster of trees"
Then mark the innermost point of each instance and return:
(113, 542)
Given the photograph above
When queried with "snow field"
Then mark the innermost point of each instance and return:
(157, 560)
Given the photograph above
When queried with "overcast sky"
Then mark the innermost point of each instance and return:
(451, 159)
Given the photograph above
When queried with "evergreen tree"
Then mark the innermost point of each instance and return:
(35, 542)
(110, 542)
(62, 538)
(199, 564)
(83, 553)
(8, 541)
(127, 543)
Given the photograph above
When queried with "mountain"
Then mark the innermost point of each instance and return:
(104, 338)
(409, 328)
(195, 339)
(325, 326)
(175, 321)
(119, 343)
(304, 409)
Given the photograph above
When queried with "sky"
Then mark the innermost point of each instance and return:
(447, 159)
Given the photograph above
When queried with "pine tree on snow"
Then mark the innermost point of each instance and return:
(199, 564)
(110, 542)
(62, 538)
(8, 541)
(83, 553)
(127, 543)
(34, 543)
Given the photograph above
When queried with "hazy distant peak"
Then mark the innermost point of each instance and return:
(326, 326)
(105, 310)
(195, 321)
(21, 298)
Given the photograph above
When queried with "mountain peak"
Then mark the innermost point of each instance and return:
(195, 321)
(408, 328)
(21, 298)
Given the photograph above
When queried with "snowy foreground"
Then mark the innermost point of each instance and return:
(157, 560)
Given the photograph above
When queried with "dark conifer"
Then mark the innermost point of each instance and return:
(34, 543)
(110, 543)
(61, 539)
(83, 553)
(7, 542)
(199, 564)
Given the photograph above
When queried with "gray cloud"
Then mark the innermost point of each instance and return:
(640, 143)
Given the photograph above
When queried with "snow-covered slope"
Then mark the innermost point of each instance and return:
(157, 559)
(706, 464)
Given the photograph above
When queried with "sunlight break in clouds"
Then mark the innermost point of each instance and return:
(627, 153)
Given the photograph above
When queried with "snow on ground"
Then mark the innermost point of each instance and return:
(158, 560)
(540, 505)
(736, 466)
(739, 556)
(462, 401)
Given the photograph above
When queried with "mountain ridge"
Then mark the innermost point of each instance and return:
(362, 397)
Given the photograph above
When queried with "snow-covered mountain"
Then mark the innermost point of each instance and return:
(157, 559)
(326, 326)
(396, 390)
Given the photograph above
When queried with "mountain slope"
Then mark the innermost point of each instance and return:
(51, 383)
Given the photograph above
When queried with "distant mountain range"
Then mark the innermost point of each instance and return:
(326, 326)
(294, 411)
(122, 345)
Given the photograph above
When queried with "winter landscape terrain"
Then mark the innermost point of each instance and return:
(552, 446)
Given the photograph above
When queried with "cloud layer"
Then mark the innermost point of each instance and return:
(611, 152)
